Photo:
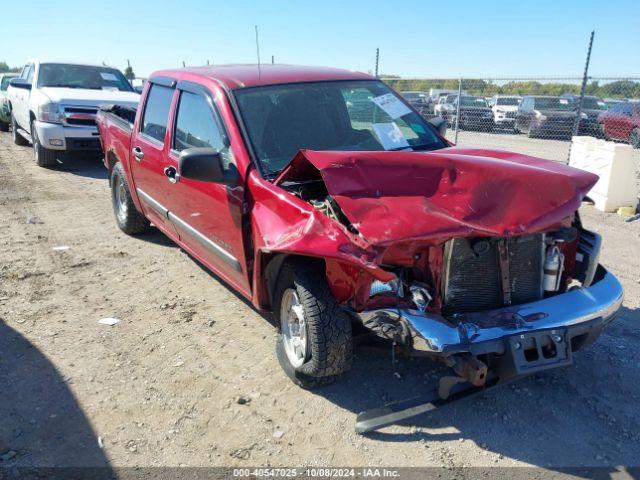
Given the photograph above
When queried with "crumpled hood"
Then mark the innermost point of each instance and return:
(93, 98)
(389, 196)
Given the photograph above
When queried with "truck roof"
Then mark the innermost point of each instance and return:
(247, 75)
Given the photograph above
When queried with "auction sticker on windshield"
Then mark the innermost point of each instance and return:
(391, 105)
(390, 136)
(110, 77)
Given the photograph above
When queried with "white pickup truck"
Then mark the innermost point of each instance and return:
(53, 106)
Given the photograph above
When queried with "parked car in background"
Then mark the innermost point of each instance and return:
(265, 176)
(592, 107)
(475, 114)
(622, 122)
(546, 117)
(420, 101)
(53, 106)
(445, 107)
(5, 112)
(505, 109)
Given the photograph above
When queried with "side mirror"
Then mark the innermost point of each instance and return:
(203, 164)
(20, 83)
(440, 124)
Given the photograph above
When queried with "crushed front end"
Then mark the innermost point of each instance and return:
(477, 257)
(518, 305)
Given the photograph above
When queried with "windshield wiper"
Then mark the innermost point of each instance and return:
(423, 146)
(62, 85)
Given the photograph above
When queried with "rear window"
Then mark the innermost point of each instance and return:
(156, 112)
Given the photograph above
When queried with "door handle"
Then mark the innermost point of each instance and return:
(172, 174)
(138, 153)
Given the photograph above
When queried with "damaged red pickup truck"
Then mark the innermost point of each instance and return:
(322, 196)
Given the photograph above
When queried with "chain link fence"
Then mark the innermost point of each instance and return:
(535, 116)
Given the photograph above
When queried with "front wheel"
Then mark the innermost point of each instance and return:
(4, 127)
(44, 157)
(128, 218)
(315, 344)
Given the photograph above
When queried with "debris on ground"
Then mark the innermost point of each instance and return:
(108, 321)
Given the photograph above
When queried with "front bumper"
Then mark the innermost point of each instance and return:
(580, 313)
(54, 136)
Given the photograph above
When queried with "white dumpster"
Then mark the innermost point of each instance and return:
(613, 163)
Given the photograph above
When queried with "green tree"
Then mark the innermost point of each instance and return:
(128, 72)
(4, 67)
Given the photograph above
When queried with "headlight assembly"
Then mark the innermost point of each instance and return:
(50, 113)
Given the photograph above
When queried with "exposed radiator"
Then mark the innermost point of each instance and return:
(472, 279)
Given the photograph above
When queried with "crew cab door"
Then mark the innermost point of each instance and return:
(20, 99)
(149, 147)
(206, 215)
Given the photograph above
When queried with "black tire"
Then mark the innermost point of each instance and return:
(4, 127)
(328, 327)
(634, 138)
(17, 138)
(128, 218)
(44, 157)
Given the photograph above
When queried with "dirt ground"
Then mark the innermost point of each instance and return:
(162, 387)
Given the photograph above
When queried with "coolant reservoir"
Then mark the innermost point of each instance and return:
(553, 266)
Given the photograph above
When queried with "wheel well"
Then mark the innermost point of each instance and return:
(272, 267)
(111, 162)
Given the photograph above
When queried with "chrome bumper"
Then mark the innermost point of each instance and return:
(578, 310)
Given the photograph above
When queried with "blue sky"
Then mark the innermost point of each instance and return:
(420, 38)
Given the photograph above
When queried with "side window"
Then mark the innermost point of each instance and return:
(30, 74)
(23, 72)
(156, 112)
(198, 126)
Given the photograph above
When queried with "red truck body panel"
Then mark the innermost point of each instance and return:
(401, 203)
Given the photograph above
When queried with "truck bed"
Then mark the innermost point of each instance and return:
(122, 115)
(115, 123)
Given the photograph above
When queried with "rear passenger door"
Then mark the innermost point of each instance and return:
(207, 216)
(149, 147)
(21, 106)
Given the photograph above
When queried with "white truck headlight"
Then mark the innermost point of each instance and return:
(50, 113)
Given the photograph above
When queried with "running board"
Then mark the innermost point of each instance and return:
(393, 413)
(24, 134)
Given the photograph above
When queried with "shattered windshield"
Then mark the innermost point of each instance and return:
(337, 115)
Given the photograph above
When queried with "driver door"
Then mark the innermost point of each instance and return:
(207, 216)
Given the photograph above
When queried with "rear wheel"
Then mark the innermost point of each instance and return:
(128, 218)
(44, 157)
(634, 138)
(315, 344)
(17, 138)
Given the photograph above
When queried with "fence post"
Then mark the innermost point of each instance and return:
(377, 60)
(585, 77)
(455, 140)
